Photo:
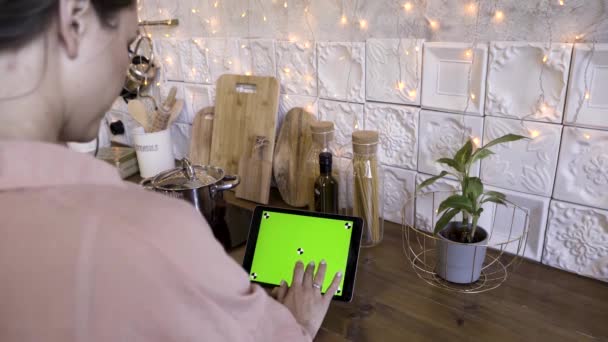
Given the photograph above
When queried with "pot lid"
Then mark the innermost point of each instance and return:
(187, 177)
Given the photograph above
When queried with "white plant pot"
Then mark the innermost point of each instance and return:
(458, 262)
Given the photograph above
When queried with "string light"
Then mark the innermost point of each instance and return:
(499, 15)
(407, 6)
(434, 24)
(473, 96)
(471, 8)
(545, 58)
(561, 2)
(287, 70)
(285, 4)
(534, 134)
(400, 85)
(477, 142)
(216, 4)
(248, 73)
(468, 53)
(412, 93)
(343, 20)
(194, 10)
(363, 24)
(587, 95)
(587, 136)
(243, 15)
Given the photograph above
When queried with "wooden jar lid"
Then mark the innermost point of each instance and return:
(320, 127)
(365, 137)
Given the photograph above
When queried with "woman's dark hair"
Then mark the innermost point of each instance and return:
(22, 20)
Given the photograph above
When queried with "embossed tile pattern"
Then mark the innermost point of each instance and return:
(532, 67)
(297, 67)
(398, 128)
(342, 71)
(525, 165)
(441, 135)
(582, 172)
(394, 70)
(399, 188)
(577, 240)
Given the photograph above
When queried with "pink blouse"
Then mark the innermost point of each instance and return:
(85, 256)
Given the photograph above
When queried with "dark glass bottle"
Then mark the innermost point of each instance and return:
(326, 187)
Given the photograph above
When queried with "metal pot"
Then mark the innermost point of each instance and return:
(203, 187)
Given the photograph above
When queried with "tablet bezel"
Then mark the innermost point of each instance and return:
(353, 252)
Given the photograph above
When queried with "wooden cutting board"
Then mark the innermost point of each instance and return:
(202, 131)
(289, 163)
(256, 165)
(245, 108)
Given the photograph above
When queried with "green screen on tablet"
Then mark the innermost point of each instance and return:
(283, 237)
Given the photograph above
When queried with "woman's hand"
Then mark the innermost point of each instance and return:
(304, 298)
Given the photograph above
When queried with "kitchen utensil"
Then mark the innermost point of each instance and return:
(246, 107)
(142, 69)
(290, 154)
(202, 131)
(138, 111)
(202, 186)
(256, 168)
(163, 120)
(170, 100)
(154, 151)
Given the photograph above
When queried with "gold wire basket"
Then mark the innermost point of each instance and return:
(507, 229)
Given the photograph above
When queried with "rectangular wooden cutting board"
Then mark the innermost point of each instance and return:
(246, 107)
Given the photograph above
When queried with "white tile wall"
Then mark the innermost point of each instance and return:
(528, 80)
(394, 70)
(453, 77)
(577, 240)
(342, 71)
(587, 103)
(441, 135)
(531, 173)
(398, 128)
(582, 175)
(525, 165)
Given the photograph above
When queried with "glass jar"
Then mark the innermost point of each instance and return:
(323, 134)
(366, 186)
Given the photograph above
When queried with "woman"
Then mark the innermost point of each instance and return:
(84, 256)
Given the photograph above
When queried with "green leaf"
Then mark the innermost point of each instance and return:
(494, 200)
(445, 219)
(464, 154)
(459, 202)
(480, 154)
(505, 139)
(474, 188)
(496, 194)
(451, 163)
(432, 180)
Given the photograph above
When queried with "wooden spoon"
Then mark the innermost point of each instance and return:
(138, 111)
(176, 110)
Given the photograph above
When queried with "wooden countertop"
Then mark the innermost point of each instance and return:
(536, 303)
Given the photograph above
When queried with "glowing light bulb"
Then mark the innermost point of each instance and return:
(400, 85)
(264, 18)
(578, 37)
(287, 70)
(363, 24)
(167, 35)
(243, 46)
(309, 108)
(407, 6)
(293, 38)
(169, 60)
(471, 8)
(194, 70)
(243, 15)
(306, 9)
(248, 73)
(561, 2)
(473, 97)
(412, 93)
(476, 141)
(194, 10)
(587, 136)
(216, 4)
(158, 84)
(468, 53)
(285, 4)
(534, 134)
(307, 45)
(545, 58)
(417, 49)
(587, 95)
(434, 24)
(407, 52)
(499, 15)
(343, 20)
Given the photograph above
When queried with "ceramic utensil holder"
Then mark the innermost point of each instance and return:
(154, 151)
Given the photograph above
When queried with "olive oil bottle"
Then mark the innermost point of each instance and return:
(326, 187)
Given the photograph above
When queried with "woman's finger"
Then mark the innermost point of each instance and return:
(298, 274)
(333, 288)
(320, 276)
(282, 291)
(308, 275)
(275, 293)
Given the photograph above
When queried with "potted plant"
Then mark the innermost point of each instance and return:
(462, 244)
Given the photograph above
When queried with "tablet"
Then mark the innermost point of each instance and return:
(278, 238)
